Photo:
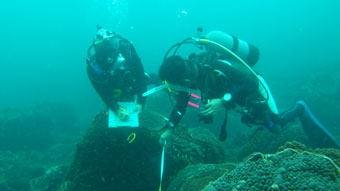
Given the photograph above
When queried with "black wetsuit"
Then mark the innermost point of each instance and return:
(122, 86)
(216, 78)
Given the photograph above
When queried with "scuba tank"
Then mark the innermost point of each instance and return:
(249, 53)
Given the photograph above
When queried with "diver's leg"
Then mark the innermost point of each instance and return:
(289, 116)
(316, 132)
(261, 115)
(270, 124)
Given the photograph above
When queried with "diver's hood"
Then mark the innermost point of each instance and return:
(104, 52)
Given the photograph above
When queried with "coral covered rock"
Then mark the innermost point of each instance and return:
(106, 160)
(192, 146)
(332, 153)
(196, 177)
(294, 145)
(285, 170)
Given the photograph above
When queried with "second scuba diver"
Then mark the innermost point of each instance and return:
(225, 79)
(116, 71)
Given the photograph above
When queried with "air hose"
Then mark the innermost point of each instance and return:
(240, 60)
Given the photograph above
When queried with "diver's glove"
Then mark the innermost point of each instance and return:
(138, 108)
(215, 106)
(122, 115)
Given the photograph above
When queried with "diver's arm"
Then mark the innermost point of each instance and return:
(176, 116)
(179, 111)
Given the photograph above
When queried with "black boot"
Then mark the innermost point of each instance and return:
(290, 116)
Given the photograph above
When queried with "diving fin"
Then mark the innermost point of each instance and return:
(317, 133)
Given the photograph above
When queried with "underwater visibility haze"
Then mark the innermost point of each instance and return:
(51, 116)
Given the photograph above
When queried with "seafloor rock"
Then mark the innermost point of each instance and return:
(106, 161)
(50, 180)
(285, 170)
(17, 169)
(196, 177)
(18, 177)
(35, 170)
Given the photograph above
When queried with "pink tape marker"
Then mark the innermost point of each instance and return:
(195, 96)
(193, 104)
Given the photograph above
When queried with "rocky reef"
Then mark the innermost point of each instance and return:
(196, 177)
(293, 167)
(30, 171)
(108, 160)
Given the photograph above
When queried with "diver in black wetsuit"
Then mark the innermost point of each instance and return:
(116, 71)
(224, 85)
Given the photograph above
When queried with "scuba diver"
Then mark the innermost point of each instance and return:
(222, 73)
(116, 71)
